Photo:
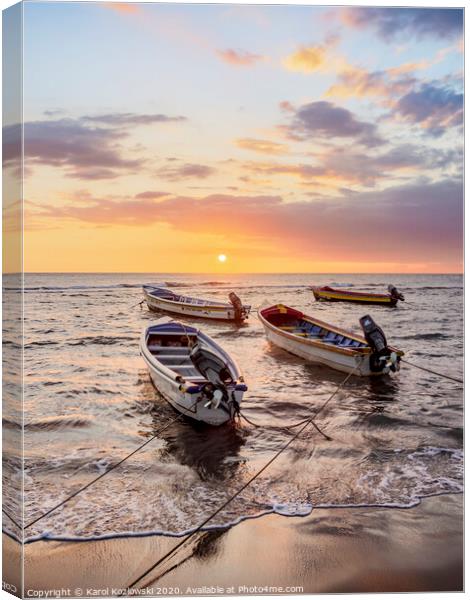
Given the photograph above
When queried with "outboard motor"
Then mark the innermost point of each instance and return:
(237, 305)
(216, 371)
(394, 293)
(382, 357)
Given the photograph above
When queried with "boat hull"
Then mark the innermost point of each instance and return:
(322, 356)
(357, 298)
(190, 405)
(321, 343)
(219, 313)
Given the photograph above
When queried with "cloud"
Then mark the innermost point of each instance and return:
(359, 83)
(261, 146)
(339, 166)
(399, 224)
(238, 58)
(84, 152)
(402, 23)
(123, 7)
(186, 171)
(150, 195)
(326, 120)
(54, 112)
(12, 146)
(308, 59)
(129, 119)
(435, 108)
(88, 147)
(286, 106)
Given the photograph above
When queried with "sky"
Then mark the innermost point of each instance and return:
(287, 138)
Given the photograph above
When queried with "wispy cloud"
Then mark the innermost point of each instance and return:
(186, 171)
(150, 195)
(130, 119)
(391, 23)
(123, 7)
(238, 58)
(337, 167)
(261, 146)
(359, 83)
(396, 221)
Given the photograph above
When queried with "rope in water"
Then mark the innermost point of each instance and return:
(93, 481)
(11, 518)
(281, 427)
(171, 552)
(431, 371)
(138, 304)
(304, 422)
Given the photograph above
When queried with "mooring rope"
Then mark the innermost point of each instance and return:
(171, 552)
(138, 304)
(11, 518)
(431, 371)
(93, 481)
(281, 427)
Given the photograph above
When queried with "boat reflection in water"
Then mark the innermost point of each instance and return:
(213, 453)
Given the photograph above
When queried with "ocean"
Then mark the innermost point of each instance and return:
(89, 401)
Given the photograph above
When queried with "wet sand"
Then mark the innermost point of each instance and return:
(332, 550)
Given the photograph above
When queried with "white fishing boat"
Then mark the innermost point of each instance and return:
(193, 373)
(325, 344)
(164, 299)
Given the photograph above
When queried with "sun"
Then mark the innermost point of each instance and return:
(222, 258)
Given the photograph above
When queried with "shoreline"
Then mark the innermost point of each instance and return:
(336, 550)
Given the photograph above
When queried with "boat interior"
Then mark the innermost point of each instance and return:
(171, 345)
(176, 347)
(294, 322)
(165, 294)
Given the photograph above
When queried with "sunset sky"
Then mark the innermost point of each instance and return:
(288, 138)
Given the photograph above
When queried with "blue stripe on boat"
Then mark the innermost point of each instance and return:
(172, 328)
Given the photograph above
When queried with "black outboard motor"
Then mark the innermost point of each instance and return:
(216, 371)
(237, 305)
(394, 293)
(381, 356)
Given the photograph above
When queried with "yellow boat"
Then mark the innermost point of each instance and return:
(335, 295)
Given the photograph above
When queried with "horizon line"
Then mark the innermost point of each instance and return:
(231, 273)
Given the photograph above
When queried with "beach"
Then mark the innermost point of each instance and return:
(330, 551)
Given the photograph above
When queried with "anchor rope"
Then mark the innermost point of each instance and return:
(431, 371)
(291, 440)
(112, 468)
(281, 427)
(11, 518)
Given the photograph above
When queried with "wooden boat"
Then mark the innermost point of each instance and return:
(193, 373)
(325, 344)
(336, 295)
(160, 298)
